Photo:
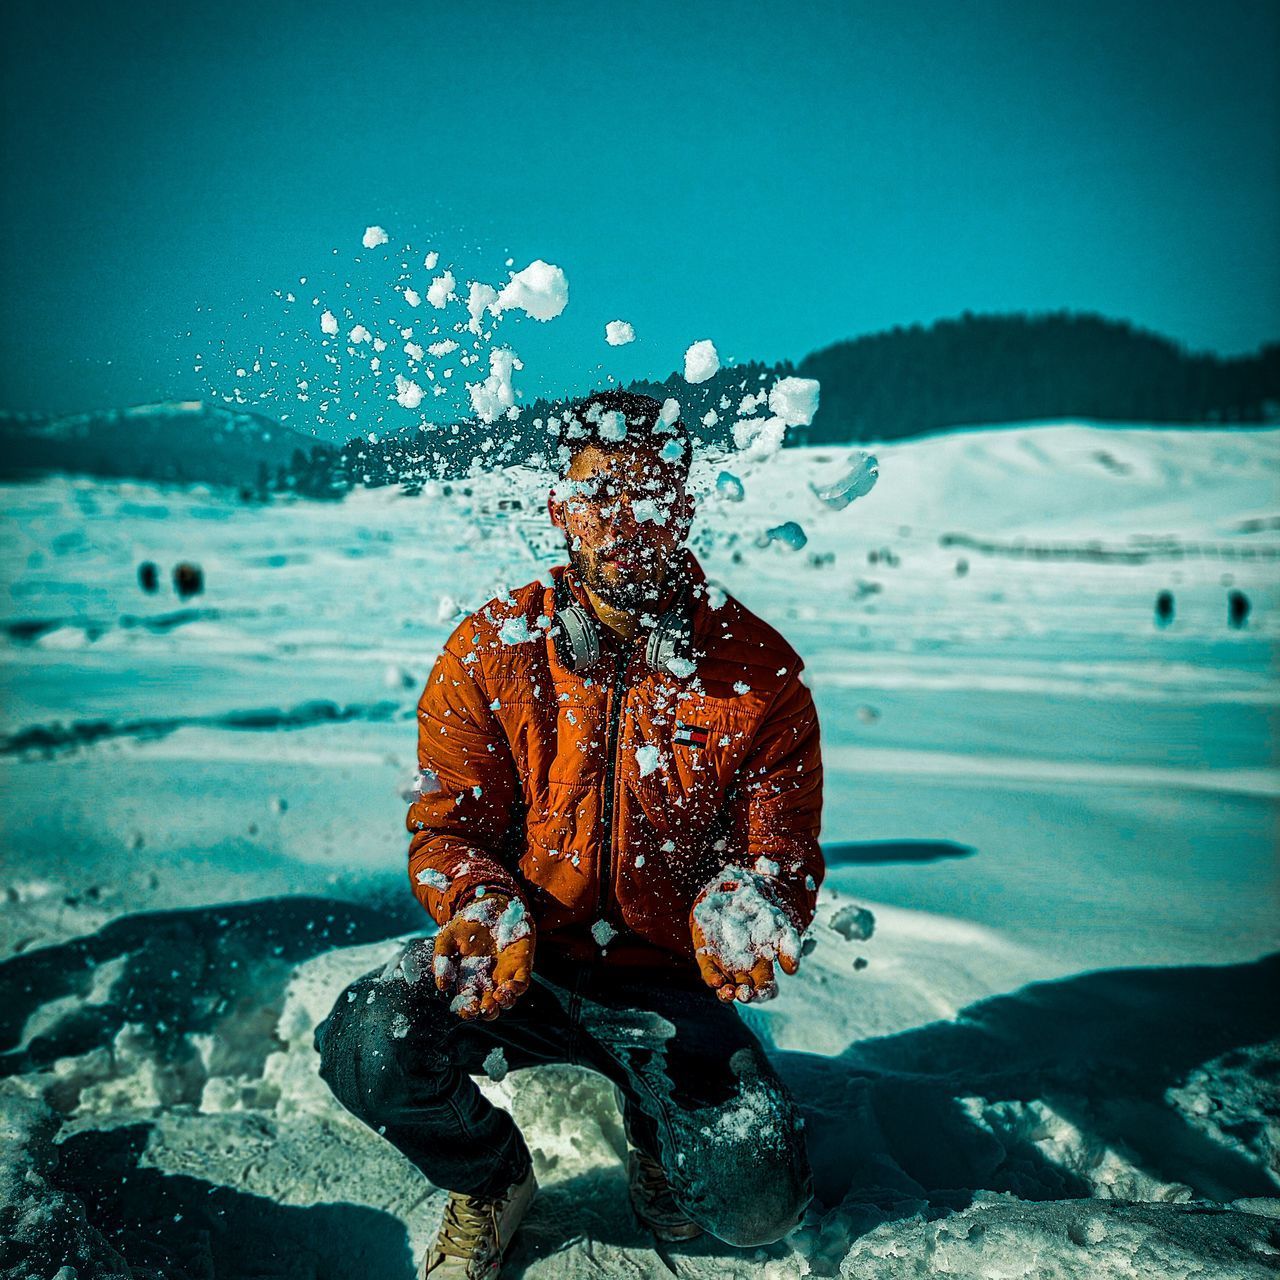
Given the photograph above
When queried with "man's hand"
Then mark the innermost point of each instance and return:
(484, 956)
(739, 931)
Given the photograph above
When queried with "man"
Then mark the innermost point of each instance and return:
(616, 829)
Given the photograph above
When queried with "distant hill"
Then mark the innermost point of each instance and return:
(1019, 368)
(183, 442)
(975, 369)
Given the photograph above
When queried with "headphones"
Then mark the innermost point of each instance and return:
(577, 632)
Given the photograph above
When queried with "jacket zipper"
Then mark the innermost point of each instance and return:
(618, 696)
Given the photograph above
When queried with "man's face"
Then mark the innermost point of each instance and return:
(625, 515)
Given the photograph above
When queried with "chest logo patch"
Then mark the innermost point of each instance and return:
(690, 735)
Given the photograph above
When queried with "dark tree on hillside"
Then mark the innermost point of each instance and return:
(1014, 368)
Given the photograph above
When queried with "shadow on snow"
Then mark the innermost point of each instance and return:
(888, 1119)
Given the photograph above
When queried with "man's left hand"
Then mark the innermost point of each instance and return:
(730, 971)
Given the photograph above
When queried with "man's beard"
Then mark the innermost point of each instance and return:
(627, 593)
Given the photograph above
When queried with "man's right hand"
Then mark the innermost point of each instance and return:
(484, 956)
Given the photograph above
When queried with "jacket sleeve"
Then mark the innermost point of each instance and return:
(780, 783)
(466, 798)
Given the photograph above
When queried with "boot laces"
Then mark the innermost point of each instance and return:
(469, 1228)
(653, 1180)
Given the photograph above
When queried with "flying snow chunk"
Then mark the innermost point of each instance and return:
(541, 290)
(759, 438)
(729, 487)
(491, 398)
(517, 631)
(408, 393)
(617, 333)
(854, 924)
(613, 426)
(481, 298)
(670, 414)
(647, 758)
(794, 400)
(329, 324)
(857, 482)
(789, 533)
(413, 297)
(441, 290)
(603, 932)
(373, 237)
(359, 334)
(443, 348)
(701, 361)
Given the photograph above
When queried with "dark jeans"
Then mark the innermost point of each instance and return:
(699, 1094)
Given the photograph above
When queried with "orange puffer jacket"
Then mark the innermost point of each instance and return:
(615, 794)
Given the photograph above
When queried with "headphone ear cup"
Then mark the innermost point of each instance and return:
(577, 641)
(669, 640)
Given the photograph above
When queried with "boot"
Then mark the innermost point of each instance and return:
(653, 1202)
(475, 1232)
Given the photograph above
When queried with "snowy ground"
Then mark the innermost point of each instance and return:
(1059, 1058)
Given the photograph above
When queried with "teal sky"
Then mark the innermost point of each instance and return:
(775, 178)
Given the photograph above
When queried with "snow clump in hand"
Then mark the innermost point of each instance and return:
(512, 925)
(471, 977)
(743, 924)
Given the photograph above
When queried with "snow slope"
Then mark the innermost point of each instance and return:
(1054, 1057)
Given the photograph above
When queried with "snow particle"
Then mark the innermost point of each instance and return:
(603, 932)
(617, 333)
(794, 400)
(541, 291)
(701, 361)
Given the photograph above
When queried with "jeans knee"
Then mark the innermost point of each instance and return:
(749, 1203)
(760, 1219)
(360, 1045)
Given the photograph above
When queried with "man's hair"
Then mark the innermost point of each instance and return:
(625, 422)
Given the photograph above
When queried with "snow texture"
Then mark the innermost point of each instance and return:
(742, 924)
(1059, 1061)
